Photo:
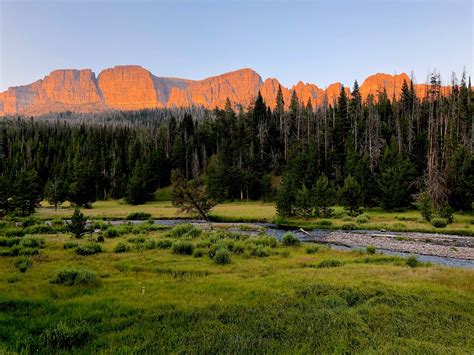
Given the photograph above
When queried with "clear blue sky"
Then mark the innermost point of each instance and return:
(314, 41)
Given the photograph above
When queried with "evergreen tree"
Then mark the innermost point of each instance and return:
(323, 196)
(138, 190)
(396, 179)
(82, 187)
(77, 224)
(54, 192)
(351, 196)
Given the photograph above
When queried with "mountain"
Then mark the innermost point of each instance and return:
(132, 87)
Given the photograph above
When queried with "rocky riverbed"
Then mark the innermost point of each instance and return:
(449, 246)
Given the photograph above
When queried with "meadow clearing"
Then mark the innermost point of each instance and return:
(146, 288)
(257, 211)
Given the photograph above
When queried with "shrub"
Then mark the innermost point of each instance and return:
(9, 242)
(32, 243)
(259, 252)
(138, 239)
(111, 232)
(239, 248)
(370, 249)
(139, 216)
(14, 232)
(312, 249)
(23, 263)
(101, 225)
(412, 261)
(329, 263)
(29, 221)
(184, 229)
(13, 278)
(199, 253)
(182, 247)
(222, 257)
(64, 337)
(58, 222)
(70, 245)
(447, 213)
(348, 226)
(289, 239)
(88, 249)
(425, 206)
(121, 247)
(70, 277)
(439, 222)
(40, 229)
(363, 218)
(163, 244)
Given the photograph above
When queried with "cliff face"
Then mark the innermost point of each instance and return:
(132, 87)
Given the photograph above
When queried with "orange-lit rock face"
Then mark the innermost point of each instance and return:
(269, 91)
(128, 88)
(132, 87)
(375, 84)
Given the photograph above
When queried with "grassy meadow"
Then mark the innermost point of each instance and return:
(150, 289)
(373, 219)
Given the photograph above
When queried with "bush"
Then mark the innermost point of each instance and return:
(239, 248)
(348, 226)
(70, 277)
(138, 239)
(40, 229)
(32, 243)
(363, 218)
(138, 216)
(9, 242)
(70, 245)
(222, 257)
(63, 337)
(23, 263)
(29, 221)
(289, 239)
(199, 253)
(163, 244)
(182, 247)
(439, 222)
(14, 232)
(111, 232)
(312, 249)
(121, 247)
(370, 249)
(184, 230)
(88, 249)
(412, 261)
(101, 225)
(447, 213)
(259, 252)
(329, 263)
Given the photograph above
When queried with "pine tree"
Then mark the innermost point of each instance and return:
(351, 196)
(323, 196)
(54, 192)
(77, 224)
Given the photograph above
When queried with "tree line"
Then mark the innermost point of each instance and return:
(381, 151)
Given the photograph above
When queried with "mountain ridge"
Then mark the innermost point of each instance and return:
(132, 87)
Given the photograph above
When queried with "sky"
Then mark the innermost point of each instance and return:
(319, 42)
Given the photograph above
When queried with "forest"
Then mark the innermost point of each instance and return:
(383, 151)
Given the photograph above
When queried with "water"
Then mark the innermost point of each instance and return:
(317, 235)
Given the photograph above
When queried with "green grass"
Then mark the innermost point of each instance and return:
(256, 211)
(151, 300)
